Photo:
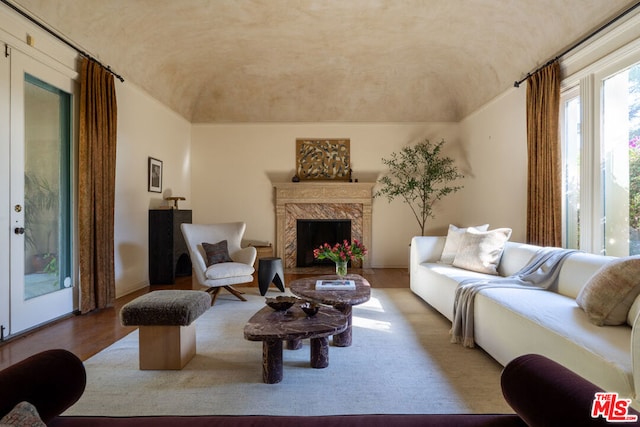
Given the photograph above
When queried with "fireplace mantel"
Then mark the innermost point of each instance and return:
(321, 200)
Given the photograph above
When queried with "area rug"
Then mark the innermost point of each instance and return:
(401, 361)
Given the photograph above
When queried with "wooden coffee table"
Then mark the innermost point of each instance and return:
(273, 327)
(341, 300)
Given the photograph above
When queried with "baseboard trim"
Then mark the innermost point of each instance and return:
(129, 289)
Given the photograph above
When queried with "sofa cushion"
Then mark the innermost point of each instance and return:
(576, 271)
(633, 312)
(216, 252)
(512, 322)
(481, 250)
(24, 414)
(515, 256)
(610, 292)
(437, 283)
(452, 243)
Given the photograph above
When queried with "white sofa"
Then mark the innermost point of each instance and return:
(513, 322)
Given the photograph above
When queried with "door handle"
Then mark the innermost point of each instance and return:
(19, 230)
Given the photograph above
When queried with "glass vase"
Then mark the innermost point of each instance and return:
(341, 268)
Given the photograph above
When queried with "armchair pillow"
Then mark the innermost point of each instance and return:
(481, 250)
(216, 252)
(611, 291)
(452, 242)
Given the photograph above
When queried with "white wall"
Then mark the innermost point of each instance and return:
(494, 139)
(226, 172)
(146, 128)
(234, 165)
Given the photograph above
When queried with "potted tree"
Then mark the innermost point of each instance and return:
(419, 175)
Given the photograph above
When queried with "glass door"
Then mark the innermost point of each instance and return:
(41, 141)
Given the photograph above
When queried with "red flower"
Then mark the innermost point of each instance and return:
(344, 251)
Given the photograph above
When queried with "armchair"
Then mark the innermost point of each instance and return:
(221, 274)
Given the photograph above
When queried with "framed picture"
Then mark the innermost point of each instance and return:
(155, 175)
(323, 159)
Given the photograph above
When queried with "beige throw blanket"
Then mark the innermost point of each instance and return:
(539, 274)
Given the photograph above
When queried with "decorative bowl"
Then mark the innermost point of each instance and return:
(281, 303)
(310, 308)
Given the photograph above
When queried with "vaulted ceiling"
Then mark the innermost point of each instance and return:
(323, 60)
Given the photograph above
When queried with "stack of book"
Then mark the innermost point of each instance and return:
(335, 285)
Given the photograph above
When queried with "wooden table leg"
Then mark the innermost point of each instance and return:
(272, 361)
(319, 352)
(344, 339)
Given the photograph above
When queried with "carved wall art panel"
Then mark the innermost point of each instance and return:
(323, 159)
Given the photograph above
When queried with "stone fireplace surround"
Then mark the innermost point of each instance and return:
(321, 200)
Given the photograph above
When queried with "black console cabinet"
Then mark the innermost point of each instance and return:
(168, 252)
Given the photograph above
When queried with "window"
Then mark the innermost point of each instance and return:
(571, 149)
(621, 161)
(600, 133)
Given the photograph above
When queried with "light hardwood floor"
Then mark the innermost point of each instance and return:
(89, 334)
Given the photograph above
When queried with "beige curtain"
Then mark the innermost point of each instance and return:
(544, 195)
(96, 186)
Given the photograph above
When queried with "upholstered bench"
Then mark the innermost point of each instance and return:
(167, 334)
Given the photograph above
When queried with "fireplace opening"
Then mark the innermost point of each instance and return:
(314, 232)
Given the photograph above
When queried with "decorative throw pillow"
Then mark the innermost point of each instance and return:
(481, 250)
(451, 244)
(216, 252)
(610, 292)
(24, 414)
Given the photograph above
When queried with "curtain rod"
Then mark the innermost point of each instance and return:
(578, 43)
(62, 39)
